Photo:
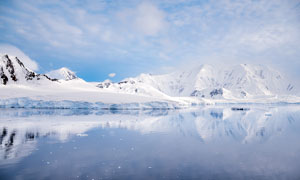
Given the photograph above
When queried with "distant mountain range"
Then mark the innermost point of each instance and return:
(204, 84)
(206, 81)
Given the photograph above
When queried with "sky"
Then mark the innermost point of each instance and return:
(115, 39)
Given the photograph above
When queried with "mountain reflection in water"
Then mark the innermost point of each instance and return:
(208, 142)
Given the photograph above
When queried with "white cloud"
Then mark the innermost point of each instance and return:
(269, 37)
(112, 75)
(144, 19)
(14, 51)
(149, 19)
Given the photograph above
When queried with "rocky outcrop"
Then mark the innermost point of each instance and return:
(13, 70)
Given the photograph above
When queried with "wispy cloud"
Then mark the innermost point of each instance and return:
(157, 32)
(149, 19)
(112, 75)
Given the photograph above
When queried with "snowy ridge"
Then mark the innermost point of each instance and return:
(237, 82)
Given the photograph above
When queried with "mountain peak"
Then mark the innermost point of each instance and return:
(12, 70)
(63, 73)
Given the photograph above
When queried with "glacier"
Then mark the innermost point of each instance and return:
(66, 104)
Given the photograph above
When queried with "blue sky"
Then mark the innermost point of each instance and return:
(128, 37)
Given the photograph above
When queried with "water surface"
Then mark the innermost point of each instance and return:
(231, 142)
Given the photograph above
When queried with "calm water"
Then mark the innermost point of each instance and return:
(237, 142)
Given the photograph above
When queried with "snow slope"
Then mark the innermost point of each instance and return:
(77, 94)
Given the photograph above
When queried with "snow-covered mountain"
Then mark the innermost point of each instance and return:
(13, 71)
(206, 84)
(242, 81)
(21, 87)
(62, 73)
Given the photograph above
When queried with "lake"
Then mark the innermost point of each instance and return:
(206, 142)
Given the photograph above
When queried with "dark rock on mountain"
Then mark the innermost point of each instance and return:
(13, 70)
